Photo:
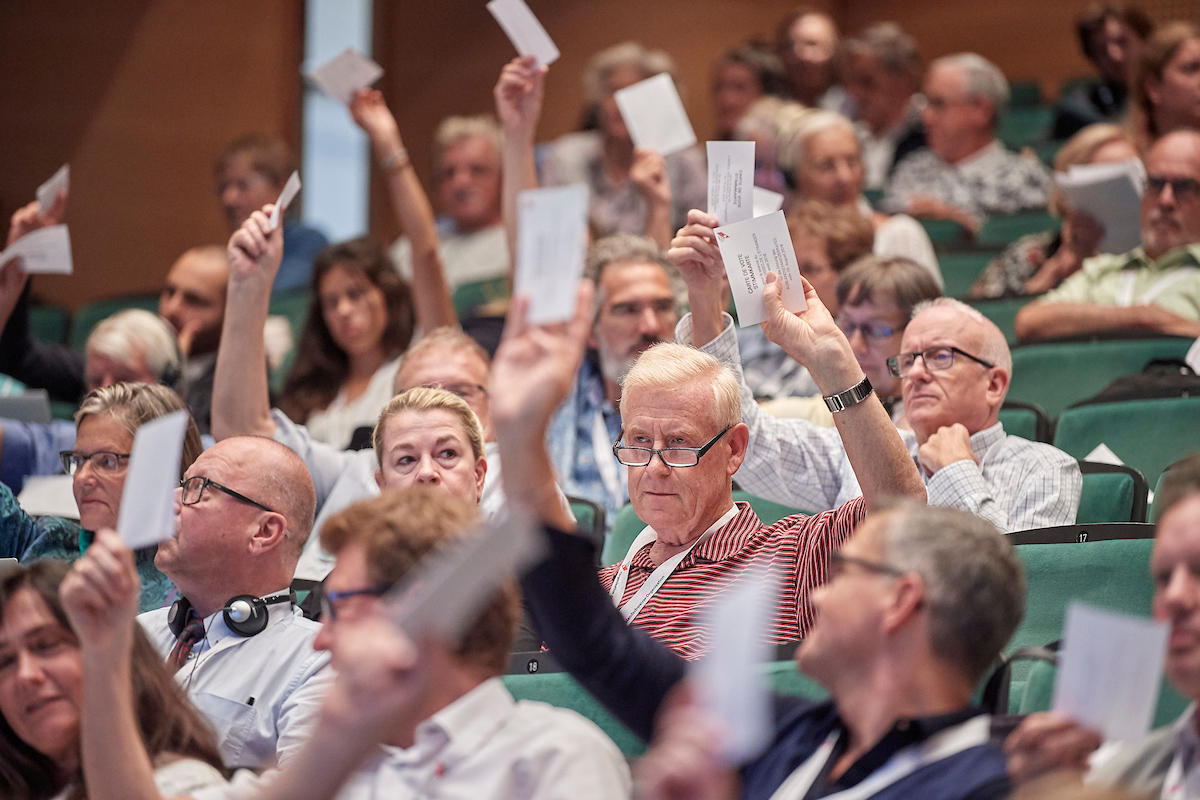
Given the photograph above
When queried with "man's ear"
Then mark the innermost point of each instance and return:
(739, 441)
(272, 531)
(997, 386)
(909, 598)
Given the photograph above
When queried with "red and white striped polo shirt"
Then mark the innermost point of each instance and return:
(796, 548)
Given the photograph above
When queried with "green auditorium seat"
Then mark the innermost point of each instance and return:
(1148, 435)
(1000, 232)
(293, 306)
(1038, 695)
(589, 519)
(945, 233)
(1023, 94)
(49, 323)
(87, 316)
(961, 268)
(471, 296)
(1111, 494)
(1025, 127)
(560, 689)
(1003, 312)
(1026, 420)
(1056, 374)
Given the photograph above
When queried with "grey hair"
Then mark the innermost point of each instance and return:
(629, 248)
(625, 54)
(984, 79)
(453, 129)
(888, 42)
(994, 346)
(133, 332)
(669, 365)
(798, 130)
(974, 582)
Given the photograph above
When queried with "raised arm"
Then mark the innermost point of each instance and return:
(649, 174)
(431, 295)
(241, 403)
(1049, 320)
(518, 96)
(878, 455)
(695, 254)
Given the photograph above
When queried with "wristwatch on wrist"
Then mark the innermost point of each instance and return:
(849, 398)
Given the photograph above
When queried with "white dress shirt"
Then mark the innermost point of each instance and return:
(484, 745)
(262, 693)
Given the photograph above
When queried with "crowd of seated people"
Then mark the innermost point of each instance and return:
(261, 650)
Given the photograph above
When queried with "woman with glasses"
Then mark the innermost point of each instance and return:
(106, 422)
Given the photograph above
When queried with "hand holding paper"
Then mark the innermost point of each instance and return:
(46, 251)
(344, 74)
(49, 192)
(524, 30)
(290, 190)
(654, 115)
(518, 95)
(147, 514)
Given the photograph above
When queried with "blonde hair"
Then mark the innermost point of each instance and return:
(126, 334)
(132, 405)
(625, 54)
(451, 130)
(800, 127)
(667, 365)
(422, 398)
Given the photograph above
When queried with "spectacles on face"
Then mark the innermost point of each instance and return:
(869, 330)
(936, 360)
(101, 461)
(467, 391)
(838, 562)
(1181, 188)
(330, 599)
(193, 489)
(671, 456)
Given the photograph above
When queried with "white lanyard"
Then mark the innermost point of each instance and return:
(661, 572)
(943, 744)
(611, 471)
(1125, 296)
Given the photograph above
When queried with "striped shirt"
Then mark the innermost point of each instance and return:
(796, 548)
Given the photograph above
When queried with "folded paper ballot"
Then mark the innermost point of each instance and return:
(731, 181)
(147, 514)
(1112, 194)
(524, 30)
(751, 249)
(47, 193)
(551, 244)
(46, 251)
(654, 115)
(344, 74)
(290, 189)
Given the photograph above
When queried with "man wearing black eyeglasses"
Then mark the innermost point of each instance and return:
(237, 644)
(1154, 288)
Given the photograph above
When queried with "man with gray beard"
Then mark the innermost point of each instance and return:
(635, 308)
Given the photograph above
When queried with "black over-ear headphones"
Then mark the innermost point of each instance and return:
(245, 614)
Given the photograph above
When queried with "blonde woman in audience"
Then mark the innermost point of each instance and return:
(1167, 88)
(823, 156)
(1038, 262)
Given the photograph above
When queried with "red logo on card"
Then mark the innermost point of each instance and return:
(722, 235)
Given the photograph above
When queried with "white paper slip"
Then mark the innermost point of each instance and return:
(1112, 194)
(731, 181)
(147, 513)
(344, 74)
(1103, 454)
(551, 244)
(766, 201)
(47, 193)
(443, 593)
(750, 250)
(46, 251)
(48, 495)
(285, 199)
(1109, 671)
(654, 115)
(1192, 359)
(730, 683)
(524, 30)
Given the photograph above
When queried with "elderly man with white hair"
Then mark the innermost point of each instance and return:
(954, 368)
(964, 173)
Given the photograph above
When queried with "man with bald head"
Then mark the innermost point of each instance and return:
(964, 173)
(1152, 289)
(234, 638)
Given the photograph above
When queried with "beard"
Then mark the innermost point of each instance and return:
(615, 367)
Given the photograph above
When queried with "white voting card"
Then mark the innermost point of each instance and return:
(766, 201)
(1103, 454)
(551, 244)
(750, 250)
(654, 115)
(51, 495)
(731, 181)
(1193, 356)
(46, 251)
(286, 197)
(344, 74)
(1112, 194)
(524, 30)
(1109, 671)
(443, 593)
(730, 682)
(147, 513)
(58, 182)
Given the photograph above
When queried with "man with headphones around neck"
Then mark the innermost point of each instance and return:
(239, 645)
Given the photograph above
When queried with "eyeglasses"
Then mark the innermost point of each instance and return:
(101, 460)
(838, 562)
(193, 489)
(936, 359)
(671, 456)
(870, 330)
(329, 599)
(1181, 188)
(466, 391)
